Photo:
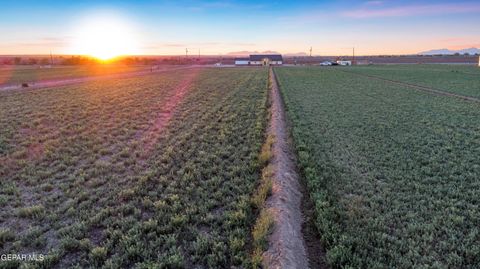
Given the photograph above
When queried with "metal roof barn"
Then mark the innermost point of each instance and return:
(266, 59)
(271, 57)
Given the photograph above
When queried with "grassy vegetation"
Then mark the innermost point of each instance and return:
(459, 79)
(5, 236)
(79, 184)
(264, 223)
(262, 229)
(393, 172)
(20, 74)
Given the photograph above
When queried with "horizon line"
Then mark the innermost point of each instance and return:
(232, 55)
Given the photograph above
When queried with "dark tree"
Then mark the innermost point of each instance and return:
(44, 61)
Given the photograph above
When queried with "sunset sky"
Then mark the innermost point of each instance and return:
(220, 27)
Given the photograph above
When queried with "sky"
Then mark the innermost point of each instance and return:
(225, 26)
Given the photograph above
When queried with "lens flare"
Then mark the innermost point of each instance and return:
(104, 36)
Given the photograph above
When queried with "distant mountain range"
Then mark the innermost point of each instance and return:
(470, 51)
(247, 53)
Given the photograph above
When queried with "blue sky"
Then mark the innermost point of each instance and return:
(220, 27)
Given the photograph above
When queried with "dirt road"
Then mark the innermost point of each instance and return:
(70, 81)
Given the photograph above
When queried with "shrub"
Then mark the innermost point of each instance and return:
(262, 229)
(5, 236)
(266, 152)
(265, 188)
(36, 211)
(98, 255)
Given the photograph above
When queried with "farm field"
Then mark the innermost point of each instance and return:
(149, 172)
(458, 79)
(19, 74)
(393, 172)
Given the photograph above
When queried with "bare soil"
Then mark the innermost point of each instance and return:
(287, 248)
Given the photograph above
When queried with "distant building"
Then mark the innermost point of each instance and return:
(363, 62)
(242, 61)
(266, 59)
(344, 62)
(260, 59)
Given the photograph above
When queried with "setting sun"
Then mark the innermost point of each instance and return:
(104, 37)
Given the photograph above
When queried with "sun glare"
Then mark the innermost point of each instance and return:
(104, 37)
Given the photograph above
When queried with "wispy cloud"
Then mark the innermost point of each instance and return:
(465, 46)
(219, 4)
(412, 10)
(374, 3)
(247, 52)
(225, 5)
(457, 43)
(161, 45)
(242, 44)
(41, 45)
(45, 42)
(164, 45)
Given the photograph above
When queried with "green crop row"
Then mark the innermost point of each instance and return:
(393, 172)
(28, 74)
(91, 175)
(458, 79)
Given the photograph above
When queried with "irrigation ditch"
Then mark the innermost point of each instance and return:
(294, 241)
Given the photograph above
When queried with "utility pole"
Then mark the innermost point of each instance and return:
(198, 54)
(186, 52)
(353, 58)
(310, 51)
(51, 58)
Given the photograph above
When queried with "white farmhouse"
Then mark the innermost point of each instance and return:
(242, 61)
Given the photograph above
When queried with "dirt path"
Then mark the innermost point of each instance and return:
(70, 81)
(418, 87)
(286, 245)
